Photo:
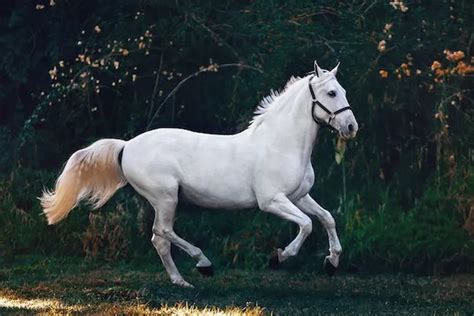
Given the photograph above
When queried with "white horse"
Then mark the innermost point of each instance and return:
(267, 165)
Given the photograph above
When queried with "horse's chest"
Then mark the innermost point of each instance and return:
(304, 186)
(294, 182)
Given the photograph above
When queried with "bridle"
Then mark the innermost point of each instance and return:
(315, 102)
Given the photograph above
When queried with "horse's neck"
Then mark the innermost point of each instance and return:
(292, 124)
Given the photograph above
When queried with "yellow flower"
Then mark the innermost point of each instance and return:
(399, 5)
(382, 46)
(387, 27)
(125, 52)
(383, 73)
(53, 73)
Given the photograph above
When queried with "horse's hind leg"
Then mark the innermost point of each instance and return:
(165, 208)
(163, 247)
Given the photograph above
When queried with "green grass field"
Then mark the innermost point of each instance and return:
(71, 285)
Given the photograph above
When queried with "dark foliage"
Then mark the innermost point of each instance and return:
(76, 71)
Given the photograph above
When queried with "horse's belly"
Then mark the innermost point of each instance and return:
(223, 195)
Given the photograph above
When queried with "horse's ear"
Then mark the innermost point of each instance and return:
(317, 70)
(334, 70)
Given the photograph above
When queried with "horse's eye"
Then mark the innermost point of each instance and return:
(332, 93)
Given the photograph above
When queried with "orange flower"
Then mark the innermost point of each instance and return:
(439, 72)
(436, 64)
(454, 56)
(383, 73)
(462, 68)
(459, 55)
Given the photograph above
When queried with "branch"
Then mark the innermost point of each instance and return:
(210, 68)
(152, 106)
(214, 35)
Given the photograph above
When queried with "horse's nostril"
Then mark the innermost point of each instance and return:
(351, 127)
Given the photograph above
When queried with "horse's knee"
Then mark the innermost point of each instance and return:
(329, 220)
(164, 232)
(157, 240)
(161, 245)
(307, 227)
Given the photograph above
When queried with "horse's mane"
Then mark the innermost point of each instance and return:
(264, 105)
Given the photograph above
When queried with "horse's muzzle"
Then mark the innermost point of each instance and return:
(349, 130)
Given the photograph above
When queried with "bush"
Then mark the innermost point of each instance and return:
(400, 192)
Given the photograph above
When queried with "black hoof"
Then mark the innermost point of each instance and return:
(330, 269)
(274, 262)
(206, 271)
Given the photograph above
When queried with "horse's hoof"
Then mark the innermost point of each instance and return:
(274, 262)
(206, 271)
(330, 269)
(182, 283)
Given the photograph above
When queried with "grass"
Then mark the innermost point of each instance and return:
(74, 285)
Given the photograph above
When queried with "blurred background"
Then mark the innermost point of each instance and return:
(402, 192)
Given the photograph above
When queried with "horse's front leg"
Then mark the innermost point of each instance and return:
(281, 206)
(310, 206)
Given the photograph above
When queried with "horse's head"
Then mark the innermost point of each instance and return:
(329, 104)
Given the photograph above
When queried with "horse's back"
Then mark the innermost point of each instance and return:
(211, 170)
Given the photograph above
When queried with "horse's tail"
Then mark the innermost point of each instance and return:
(92, 173)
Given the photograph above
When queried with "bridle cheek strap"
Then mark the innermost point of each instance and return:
(315, 102)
